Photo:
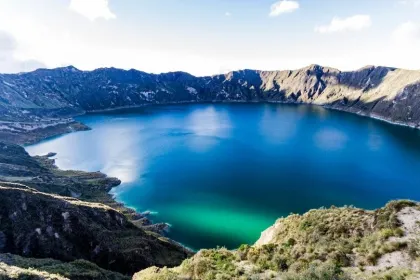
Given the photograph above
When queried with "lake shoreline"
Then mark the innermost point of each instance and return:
(38, 135)
(106, 184)
(341, 109)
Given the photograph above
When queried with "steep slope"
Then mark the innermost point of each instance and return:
(39, 225)
(57, 94)
(337, 243)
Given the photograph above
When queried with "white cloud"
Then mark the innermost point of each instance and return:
(8, 62)
(283, 6)
(56, 40)
(92, 9)
(407, 33)
(7, 42)
(353, 23)
(405, 45)
(228, 14)
(415, 3)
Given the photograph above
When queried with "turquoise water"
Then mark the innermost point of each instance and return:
(220, 174)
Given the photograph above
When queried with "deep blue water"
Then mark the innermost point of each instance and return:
(220, 174)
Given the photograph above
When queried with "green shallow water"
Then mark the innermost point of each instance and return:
(221, 174)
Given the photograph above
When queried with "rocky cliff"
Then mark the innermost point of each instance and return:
(55, 95)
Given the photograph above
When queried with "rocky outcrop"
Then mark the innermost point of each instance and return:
(56, 94)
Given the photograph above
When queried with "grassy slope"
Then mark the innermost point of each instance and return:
(16, 267)
(335, 243)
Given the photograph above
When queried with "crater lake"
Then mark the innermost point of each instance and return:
(220, 174)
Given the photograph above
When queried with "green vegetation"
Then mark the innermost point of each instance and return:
(16, 267)
(336, 243)
(13, 272)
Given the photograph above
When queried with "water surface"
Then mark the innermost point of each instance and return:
(220, 174)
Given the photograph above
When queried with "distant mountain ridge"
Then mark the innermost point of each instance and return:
(382, 92)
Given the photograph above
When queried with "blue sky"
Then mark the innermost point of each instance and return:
(208, 37)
